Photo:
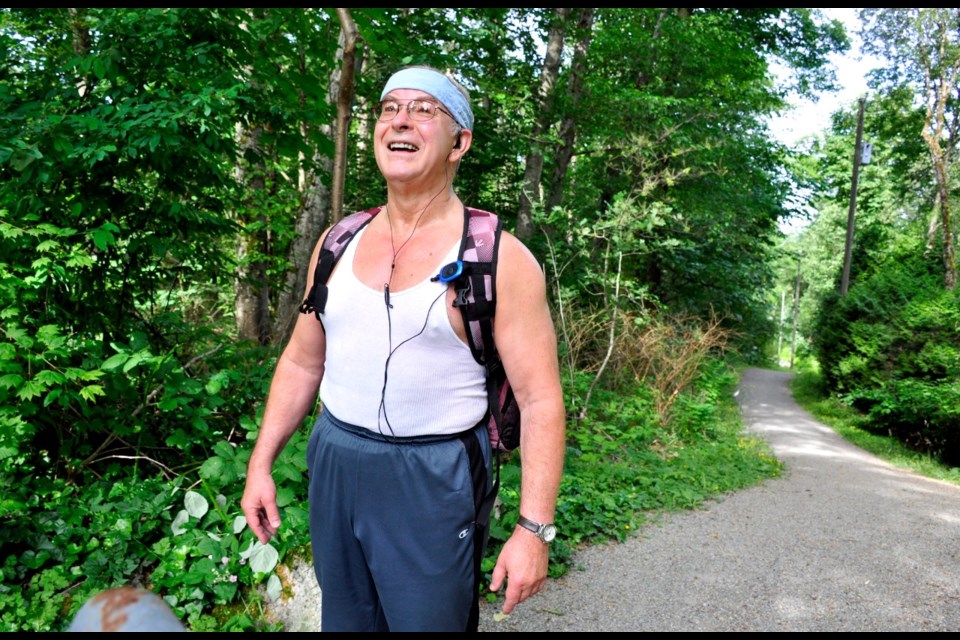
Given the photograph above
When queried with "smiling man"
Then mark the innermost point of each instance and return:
(400, 460)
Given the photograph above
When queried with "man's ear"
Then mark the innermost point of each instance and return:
(460, 146)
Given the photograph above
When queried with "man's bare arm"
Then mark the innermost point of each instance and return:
(527, 343)
(293, 394)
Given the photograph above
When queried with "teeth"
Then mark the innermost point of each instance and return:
(398, 146)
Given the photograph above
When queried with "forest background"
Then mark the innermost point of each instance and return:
(165, 173)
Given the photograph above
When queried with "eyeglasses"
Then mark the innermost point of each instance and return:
(417, 110)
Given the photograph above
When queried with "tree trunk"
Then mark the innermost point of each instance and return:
(252, 304)
(530, 194)
(346, 90)
(568, 127)
(946, 225)
(311, 220)
(939, 82)
(318, 199)
(80, 38)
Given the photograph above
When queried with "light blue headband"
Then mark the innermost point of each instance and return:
(437, 85)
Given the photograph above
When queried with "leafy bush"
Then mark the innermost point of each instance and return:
(922, 414)
(891, 348)
(102, 501)
(191, 545)
(63, 543)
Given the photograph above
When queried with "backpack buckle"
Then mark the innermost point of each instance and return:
(462, 291)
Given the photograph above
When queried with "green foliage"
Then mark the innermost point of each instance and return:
(64, 543)
(208, 556)
(597, 259)
(67, 543)
(892, 348)
(889, 350)
(119, 370)
(108, 224)
(657, 136)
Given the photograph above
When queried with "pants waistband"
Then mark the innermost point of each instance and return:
(363, 432)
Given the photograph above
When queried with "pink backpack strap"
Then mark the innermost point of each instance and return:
(334, 243)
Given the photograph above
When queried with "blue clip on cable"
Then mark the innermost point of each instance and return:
(450, 271)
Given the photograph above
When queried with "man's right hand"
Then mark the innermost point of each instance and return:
(259, 504)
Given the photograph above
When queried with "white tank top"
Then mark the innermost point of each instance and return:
(432, 385)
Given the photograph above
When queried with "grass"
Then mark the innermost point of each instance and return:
(853, 426)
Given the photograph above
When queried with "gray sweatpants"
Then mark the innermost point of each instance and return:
(398, 527)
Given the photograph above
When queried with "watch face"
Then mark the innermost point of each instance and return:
(549, 532)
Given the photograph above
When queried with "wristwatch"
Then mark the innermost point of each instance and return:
(546, 532)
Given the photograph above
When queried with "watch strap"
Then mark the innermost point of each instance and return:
(535, 527)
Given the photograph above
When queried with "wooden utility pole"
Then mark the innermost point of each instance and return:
(783, 305)
(848, 249)
(796, 312)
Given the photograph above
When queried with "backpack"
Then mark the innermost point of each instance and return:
(473, 277)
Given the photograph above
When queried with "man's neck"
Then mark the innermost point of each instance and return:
(422, 207)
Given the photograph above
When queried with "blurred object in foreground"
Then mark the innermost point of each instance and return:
(125, 609)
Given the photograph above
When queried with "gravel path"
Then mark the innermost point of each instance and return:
(842, 542)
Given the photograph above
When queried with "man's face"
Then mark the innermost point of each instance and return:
(411, 150)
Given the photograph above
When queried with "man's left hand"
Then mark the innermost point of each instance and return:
(523, 564)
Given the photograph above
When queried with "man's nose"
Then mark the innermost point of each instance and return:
(402, 119)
